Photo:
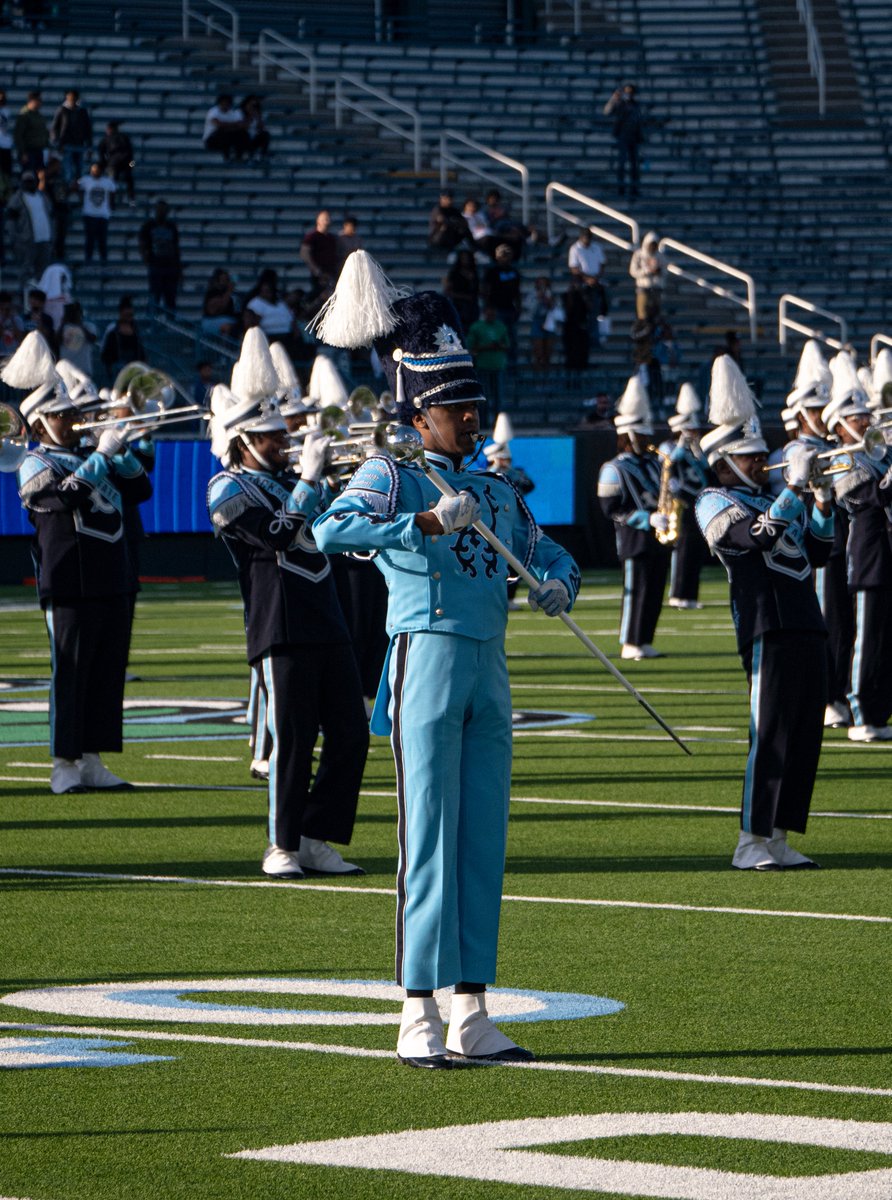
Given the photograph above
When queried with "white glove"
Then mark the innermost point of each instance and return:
(111, 442)
(314, 456)
(823, 493)
(799, 464)
(552, 597)
(456, 512)
(659, 521)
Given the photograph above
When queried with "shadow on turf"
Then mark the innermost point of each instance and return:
(692, 1055)
(62, 823)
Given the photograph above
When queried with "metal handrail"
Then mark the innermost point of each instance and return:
(550, 6)
(815, 54)
(668, 243)
(446, 158)
(210, 23)
(341, 102)
(552, 211)
(784, 322)
(268, 57)
(878, 339)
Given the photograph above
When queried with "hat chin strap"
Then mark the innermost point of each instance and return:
(806, 412)
(855, 436)
(744, 479)
(428, 415)
(243, 437)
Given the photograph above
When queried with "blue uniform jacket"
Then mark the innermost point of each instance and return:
(864, 493)
(629, 491)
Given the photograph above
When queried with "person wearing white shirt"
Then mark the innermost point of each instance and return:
(586, 264)
(225, 129)
(97, 190)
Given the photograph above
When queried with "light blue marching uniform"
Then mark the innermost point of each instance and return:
(445, 700)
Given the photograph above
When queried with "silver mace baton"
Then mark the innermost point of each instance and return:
(531, 581)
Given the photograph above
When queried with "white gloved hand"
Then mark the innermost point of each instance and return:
(659, 521)
(111, 442)
(799, 464)
(552, 597)
(457, 512)
(823, 493)
(314, 456)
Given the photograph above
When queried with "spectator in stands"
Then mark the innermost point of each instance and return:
(481, 231)
(547, 317)
(159, 245)
(220, 313)
(266, 309)
(55, 282)
(5, 137)
(116, 158)
(203, 385)
(77, 338)
(348, 239)
(32, 238)
(628, 133)
(462, 286)
(71, 132)
(321, 253)
(98, 193)
(52, 183)
(648, 269)
(501, 287)
(488, 342)
(597, 412)
(225, 129)
(586, 263)
(255, 127)
(447, 228)
(576, 328)
(506, 230)
(11, 329)
(30, 134)
(36, 317)
(121, 342)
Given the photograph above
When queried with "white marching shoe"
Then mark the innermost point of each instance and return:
(753, 854)
(674, 602)
(66, 777)
(836, 716)
(870, 733)
(420, 1042)
(260, 768)
(472, 1034)
(319, 858)
(281, 864)
(95, 775)
(785, 856)
(633, 652)
(649, 651)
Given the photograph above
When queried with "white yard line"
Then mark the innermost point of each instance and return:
(155, 1035)
(271, 884)
(191, 758)
(612, 687)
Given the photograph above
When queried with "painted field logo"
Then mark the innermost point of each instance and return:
(25, 722)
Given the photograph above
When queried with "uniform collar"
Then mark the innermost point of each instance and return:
(441, 462)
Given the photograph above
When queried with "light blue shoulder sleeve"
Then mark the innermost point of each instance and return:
(377, 482)
(716, 511)
(226, 501)
(609, 481)
(365, 516)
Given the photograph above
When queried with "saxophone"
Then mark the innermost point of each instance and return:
(670, 506)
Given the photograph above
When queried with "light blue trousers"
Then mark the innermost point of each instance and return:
(451, 711)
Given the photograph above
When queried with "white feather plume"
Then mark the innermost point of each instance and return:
(503, 430)
(326, 385)
(882, 371)
(222, 400)
(634, 401)
(359, 309)
(812, 367)
(32, 365)
(235, 378)
(730, 400)
(845, 375)
(284, 366)
(257, 372)
(865, 378)
(688, 401)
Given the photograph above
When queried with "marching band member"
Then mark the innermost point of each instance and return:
(296, 634)
(809, 397)
(691, 475)
(864, 493)
(444, 694)
(776, 482)
(75, 498)
(769, 546)
(629, 489)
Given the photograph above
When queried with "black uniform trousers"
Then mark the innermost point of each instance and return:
(870, 694)
(787, 672)
(838, 610)
(311, 687)
(89, 640)
(644, 581)
(688, 557)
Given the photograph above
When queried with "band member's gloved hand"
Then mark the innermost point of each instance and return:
(823, 493)
(659, 521)
(552, 597)
(456, 512)
(111, 442)
(799, 465)
(314, 456)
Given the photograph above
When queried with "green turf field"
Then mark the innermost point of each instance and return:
(701, 1033)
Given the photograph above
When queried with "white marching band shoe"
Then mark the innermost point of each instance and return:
(66, 777)
(420, 1042)
(633, 652)
(785, 856)
(649, 651)
(95, 775)
(870, 733)
(753, 854)
(674, 602)
(472, 1034)
(836, 715)
(260, 768)
(281, 864)
(318, 858)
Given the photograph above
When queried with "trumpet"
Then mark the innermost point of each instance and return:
(148, 418)
(349, 451)
(149, 393)
(841, 460)
(13, 439)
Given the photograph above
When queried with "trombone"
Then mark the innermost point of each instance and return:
(147, 392)
(13, 439)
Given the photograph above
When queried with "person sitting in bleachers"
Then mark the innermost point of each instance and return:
(225, 129)
(255, 126)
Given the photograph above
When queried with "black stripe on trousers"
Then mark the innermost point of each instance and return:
(402, 653)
